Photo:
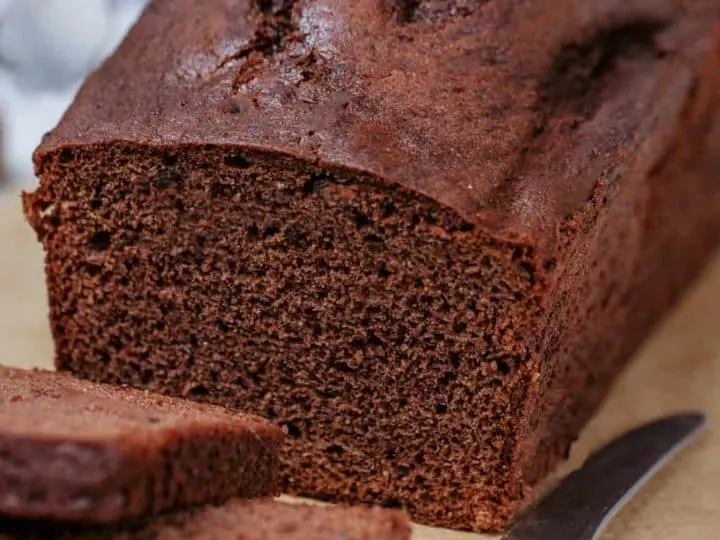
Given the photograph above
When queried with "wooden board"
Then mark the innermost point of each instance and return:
(678, 369)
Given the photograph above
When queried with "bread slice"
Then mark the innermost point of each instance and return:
(77, 451)
(237, 519)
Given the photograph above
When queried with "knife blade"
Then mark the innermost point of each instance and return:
(587, 499)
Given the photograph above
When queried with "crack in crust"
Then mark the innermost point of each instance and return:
(432, 11)
(275, 27)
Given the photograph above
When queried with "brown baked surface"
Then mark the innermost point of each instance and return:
(237, 519)
(78, 451)
(425, 236)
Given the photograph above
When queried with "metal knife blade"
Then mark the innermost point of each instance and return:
(587, 499)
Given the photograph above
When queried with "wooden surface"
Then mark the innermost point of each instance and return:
(678, 369)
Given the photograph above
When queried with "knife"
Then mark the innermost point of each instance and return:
(587, 499)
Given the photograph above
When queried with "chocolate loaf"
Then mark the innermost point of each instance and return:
(73, 450)
(237, 519)
(424, 236)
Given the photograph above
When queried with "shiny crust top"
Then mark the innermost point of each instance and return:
(508, 111)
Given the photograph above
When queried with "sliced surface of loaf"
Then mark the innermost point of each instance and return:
(423, 236)
(74, 450)
(237, 519)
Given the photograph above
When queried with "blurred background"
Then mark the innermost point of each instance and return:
(47, 48)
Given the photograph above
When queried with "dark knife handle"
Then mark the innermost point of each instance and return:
(588, 498)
